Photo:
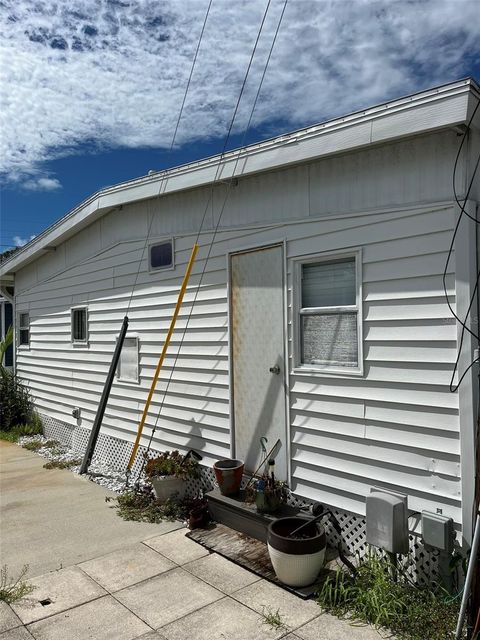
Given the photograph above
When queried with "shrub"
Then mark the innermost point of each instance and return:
(35, 428)
(13, 590)
(16, 403)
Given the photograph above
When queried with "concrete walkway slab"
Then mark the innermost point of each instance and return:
(123, 568)
(221, 573)
(177, 547)
(54, 519)
(8, 619)
(16, 634)
(103, 619)
(58, 591)
(265, 597)
(327, 627)
(168, 597)
(225, 619)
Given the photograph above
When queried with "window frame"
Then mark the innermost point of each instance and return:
(156, 243)
(118, 370)
(79, 343)
(21, 327)
(299, 311)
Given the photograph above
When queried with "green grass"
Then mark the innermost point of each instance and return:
(373, 596)
(20, 430)
(13, 590)
(61, 464)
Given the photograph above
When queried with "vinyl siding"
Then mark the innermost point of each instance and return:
(396, 426)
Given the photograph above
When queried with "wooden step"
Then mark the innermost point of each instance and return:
(233, 512)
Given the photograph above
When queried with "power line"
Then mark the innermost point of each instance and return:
(225, 198)
(174, 137)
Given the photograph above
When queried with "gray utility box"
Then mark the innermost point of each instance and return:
(437, 531)
(387, 521)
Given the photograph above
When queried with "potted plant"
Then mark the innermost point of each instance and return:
(168, 473)
(268, 493)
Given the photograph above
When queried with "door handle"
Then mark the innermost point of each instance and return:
(275, 369)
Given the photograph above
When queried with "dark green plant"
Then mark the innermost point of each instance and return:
(13, 590)
(61, 464)
(374, 596)
(16, 403)
(172, 463)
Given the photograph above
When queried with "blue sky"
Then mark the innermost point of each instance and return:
(91, 89)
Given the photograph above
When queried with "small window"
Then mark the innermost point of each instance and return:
(128, 364)
(79, 325)
(161, 255)
(329, 319)
(23, 329)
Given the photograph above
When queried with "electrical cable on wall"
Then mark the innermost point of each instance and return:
(210, 199)
(463, 212)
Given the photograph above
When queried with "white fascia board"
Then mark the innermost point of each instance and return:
(438, 108)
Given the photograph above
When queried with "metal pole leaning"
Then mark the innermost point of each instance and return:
(162, 355)
(92, 441)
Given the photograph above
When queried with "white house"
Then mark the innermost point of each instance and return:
(321, 318)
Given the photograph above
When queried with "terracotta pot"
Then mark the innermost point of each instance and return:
(168, 487)
(296, 561)
(229, 474)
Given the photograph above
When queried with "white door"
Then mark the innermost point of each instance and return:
(258, 362)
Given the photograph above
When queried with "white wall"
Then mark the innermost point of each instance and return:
(397, 426)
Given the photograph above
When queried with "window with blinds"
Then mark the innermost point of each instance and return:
(128, 366)
(79, 327)
(329, 314)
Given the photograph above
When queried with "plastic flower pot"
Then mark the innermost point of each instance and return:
(166, 487)
(297, 561)
(229, 474)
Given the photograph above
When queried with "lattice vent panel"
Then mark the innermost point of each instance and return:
(57, 430)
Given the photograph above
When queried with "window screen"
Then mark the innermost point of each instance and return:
(161, 255)
(328, 323)
(128, 363)
(24, 329)
(79, 325)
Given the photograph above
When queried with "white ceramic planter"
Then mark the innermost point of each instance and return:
(296, 570)
(169, 487)
(296, 561)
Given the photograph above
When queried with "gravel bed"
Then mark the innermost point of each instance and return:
(98, 472)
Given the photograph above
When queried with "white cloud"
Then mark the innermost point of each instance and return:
(112, 73)
(20, 242)
(41, 184)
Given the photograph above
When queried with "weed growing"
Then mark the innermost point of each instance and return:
(35, 445)
(62, 464)
(373, 596)
(13, 590)
(273, 618)
(143, 506)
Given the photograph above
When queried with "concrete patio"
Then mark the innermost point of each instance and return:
(161, 586)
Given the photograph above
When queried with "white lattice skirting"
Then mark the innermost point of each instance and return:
(420, 563)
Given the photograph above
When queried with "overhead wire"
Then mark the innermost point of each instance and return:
(174, 137)
(210, 199)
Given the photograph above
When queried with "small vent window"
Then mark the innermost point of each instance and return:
(161, 255)
(128, 367)
(79, 325)
(24, 329)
